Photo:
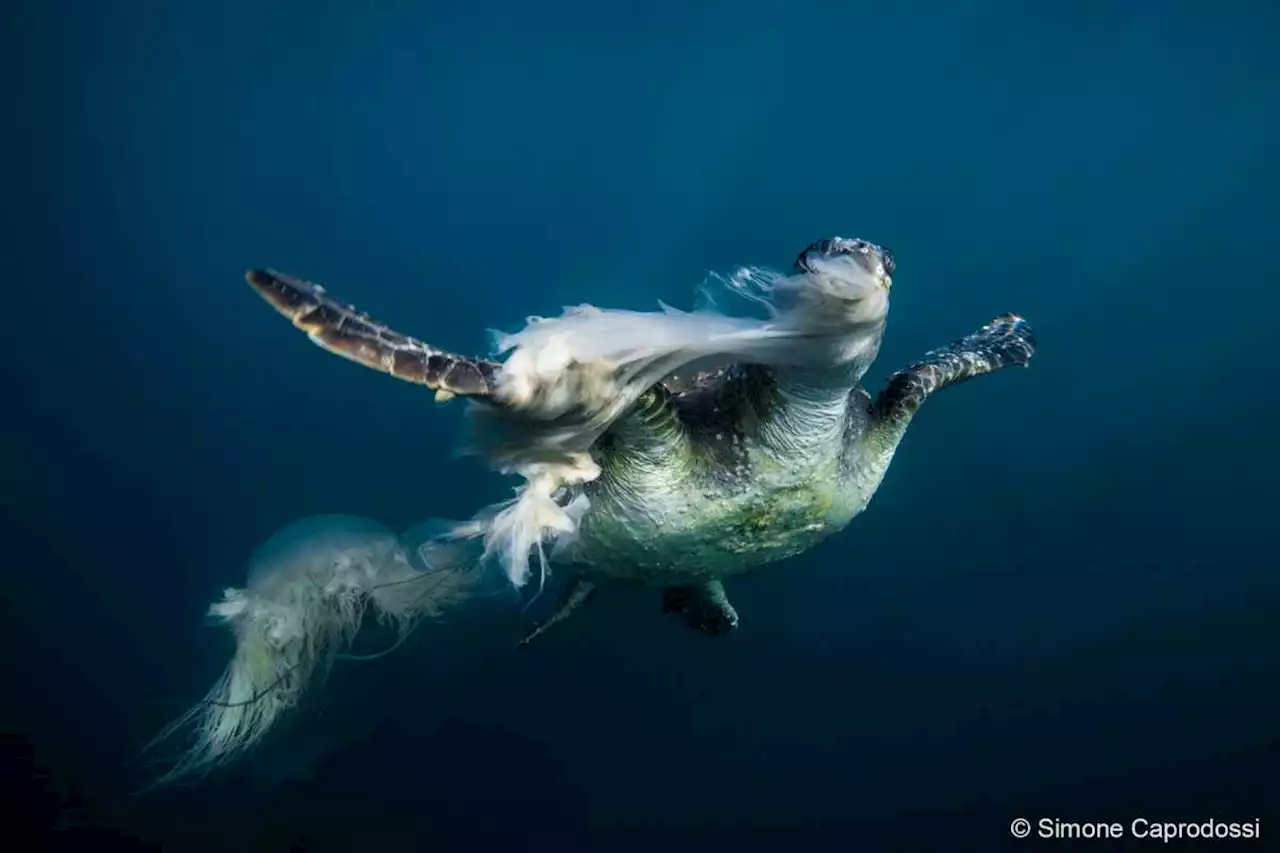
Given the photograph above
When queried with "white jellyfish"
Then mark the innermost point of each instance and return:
(309, 589)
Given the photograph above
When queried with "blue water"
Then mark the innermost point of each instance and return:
(1062, 601)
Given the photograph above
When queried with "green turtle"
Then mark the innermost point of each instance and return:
(679, 449)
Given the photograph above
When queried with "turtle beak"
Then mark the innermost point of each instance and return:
(878, 262)
(881, 272)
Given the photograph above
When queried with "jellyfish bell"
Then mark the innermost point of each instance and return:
(308, 590)
(324, 548)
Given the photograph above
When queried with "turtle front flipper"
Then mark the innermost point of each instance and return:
(1006, 341)
(703, 606)
(345, 331)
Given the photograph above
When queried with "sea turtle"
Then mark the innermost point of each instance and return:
(742, 452)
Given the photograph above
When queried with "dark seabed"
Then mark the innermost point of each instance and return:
(1062, 603)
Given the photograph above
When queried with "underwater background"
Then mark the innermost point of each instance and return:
(1061, 603)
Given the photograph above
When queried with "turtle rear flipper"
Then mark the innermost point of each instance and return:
(576, 594)
(345, 331)
(703, 606)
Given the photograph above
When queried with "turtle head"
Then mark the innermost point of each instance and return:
(861, 257)
(843, 285)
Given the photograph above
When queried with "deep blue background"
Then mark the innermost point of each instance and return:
(1062, 601)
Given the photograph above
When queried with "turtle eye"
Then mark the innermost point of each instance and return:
(886, 257)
